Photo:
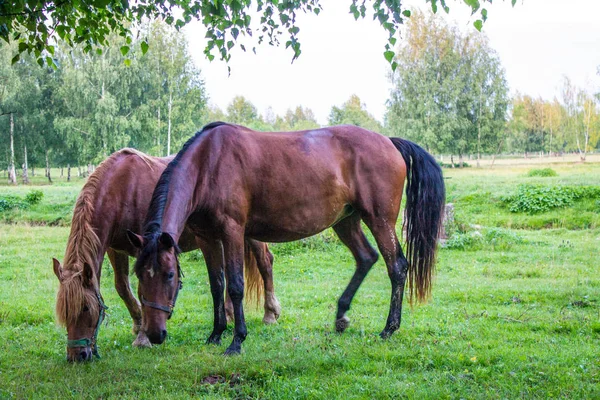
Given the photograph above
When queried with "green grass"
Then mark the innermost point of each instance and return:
(517, 315)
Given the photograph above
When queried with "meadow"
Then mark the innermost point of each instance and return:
(515, 311)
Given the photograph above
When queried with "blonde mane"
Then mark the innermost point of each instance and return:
(83, 246)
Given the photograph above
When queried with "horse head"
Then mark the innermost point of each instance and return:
(159, 275)
(80, 308)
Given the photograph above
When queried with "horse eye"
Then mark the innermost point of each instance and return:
(86, 309)
(171, 276)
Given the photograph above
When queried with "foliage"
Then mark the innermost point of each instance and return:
(542, 172)
(492, 238)
(34, 197)
(454, 165)
(533, 199)
(95, 104)
(450, 93)
(9, 202)
(35, 23)
(354, 112)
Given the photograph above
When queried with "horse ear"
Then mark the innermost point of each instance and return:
(57, 268)
(166, 240)
(88, 273)
(136, 240)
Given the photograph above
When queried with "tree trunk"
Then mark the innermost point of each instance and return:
(12, 175)
(89, 169)
(61, 171)
(460, 161)
(33, 170)
(68, 172)
(79, 171)
(497, 152)
(25, 175)
(158, 134)
(452, 160)
(169, 125)
(48, 167)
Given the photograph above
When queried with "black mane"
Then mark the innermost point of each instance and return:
(154, 217)
(153, 222)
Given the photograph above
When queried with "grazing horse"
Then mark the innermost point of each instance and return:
(229, 182)
(115, 199)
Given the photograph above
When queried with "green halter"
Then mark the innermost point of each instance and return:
(91, 342)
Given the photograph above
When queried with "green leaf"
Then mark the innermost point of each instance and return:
(15, 59)
(40, 62)
(406, 13)
(124, 50)
(127, 62)
(144, 46)
(389, 55)
(22, 47)
(478, 25)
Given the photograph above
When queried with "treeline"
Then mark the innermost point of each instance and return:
(450, 95)
(97, 102)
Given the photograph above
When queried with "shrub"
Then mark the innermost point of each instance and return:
(534, 199)
(34, 197)
(455, 165)
(496, 238)
(542, 172)
(9, 202)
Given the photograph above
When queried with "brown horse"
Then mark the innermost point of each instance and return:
(229, 182)
(116, 198)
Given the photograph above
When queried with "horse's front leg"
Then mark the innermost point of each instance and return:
(233, 246)
(213, 255)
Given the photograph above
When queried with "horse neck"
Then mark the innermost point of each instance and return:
(181, 199)
(84, 244)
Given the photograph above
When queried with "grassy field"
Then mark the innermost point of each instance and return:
(515, 311)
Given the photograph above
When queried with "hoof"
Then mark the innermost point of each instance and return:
(341, 324)
(232, 351)
(270, 318)
(216, 340)
(142, 341)
(385, 334)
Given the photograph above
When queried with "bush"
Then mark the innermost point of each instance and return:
(455, 165)
(496, 238)
(542, 172)
(534, 199)
(9, 202)
(34, 197)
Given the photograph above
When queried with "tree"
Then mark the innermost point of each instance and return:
(33, 23)
(301, 118)
(241, 111)
(450, 92)
(354, 112)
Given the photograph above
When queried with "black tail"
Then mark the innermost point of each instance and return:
(425, 198)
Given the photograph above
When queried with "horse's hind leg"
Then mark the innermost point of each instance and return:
(351, 234)
(264, 260)
(384, 231)
(120, 263)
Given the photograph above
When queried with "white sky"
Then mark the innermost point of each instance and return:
(538, 41)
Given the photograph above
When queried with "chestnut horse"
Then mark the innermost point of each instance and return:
(116, 198)
(229, 182)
